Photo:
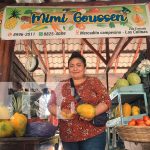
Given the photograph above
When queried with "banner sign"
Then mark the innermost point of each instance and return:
(22, 22)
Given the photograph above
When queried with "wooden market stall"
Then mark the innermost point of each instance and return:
(11, 69)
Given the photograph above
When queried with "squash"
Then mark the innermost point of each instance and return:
(19, 122)
(6, 129)
(86, 110)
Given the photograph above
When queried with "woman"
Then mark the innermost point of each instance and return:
(77, 133)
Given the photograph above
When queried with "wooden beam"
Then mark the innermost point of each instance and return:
(4, 4)
(83, 4)
(116, 64)
(63, 54)
(100, 47)
(6, 51)
(148, 46)
(94, 50)
(124, 46)
(46, 56)
(107, 49)
(69, 52)
(2, 47)
(100, 68)
(82, 47)
(137, 50)
(107, 80)
(26, 47)
(118, 49)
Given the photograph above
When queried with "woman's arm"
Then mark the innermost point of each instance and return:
(53, 109)
(104, 101)
(52, 106)
(101, 108)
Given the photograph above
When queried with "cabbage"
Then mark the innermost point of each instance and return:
(40, 129)
(121, 83)
(133, 78)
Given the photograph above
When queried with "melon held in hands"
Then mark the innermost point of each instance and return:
(86, 110)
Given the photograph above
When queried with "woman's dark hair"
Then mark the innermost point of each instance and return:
(76, 54)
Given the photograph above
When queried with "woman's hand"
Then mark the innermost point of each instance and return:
(86, 119)
(67, 114)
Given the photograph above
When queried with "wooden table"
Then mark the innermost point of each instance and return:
(28, 143)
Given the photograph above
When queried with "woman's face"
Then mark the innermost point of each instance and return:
(76, 68)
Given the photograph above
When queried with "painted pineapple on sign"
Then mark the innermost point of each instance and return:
(12, 21)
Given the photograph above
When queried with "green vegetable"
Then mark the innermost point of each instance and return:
(101, 25)
(28, 11)
(64, 27)
(111, 25)
(123, 22)
(38, 27)
(71, 28)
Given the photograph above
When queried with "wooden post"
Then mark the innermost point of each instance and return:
(148, 47)
(6, 51)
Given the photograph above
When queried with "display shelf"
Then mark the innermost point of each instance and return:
(129, 94)
(122, 120)
(128, 89)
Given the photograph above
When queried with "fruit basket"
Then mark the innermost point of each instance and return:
(134, 133)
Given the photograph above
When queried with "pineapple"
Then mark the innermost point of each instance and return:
(12, 21)
(21, 102)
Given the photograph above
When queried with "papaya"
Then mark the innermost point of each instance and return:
(86, 110)
(135, 110)
(6, 129)
(138, 19)
(126, 110)
(19, 122)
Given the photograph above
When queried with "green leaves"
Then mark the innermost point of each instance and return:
(68, 28)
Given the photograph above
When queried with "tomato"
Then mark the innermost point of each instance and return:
(147, 122)
(145, 118)
(141, 124)
(132, 123)
(140, 121)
